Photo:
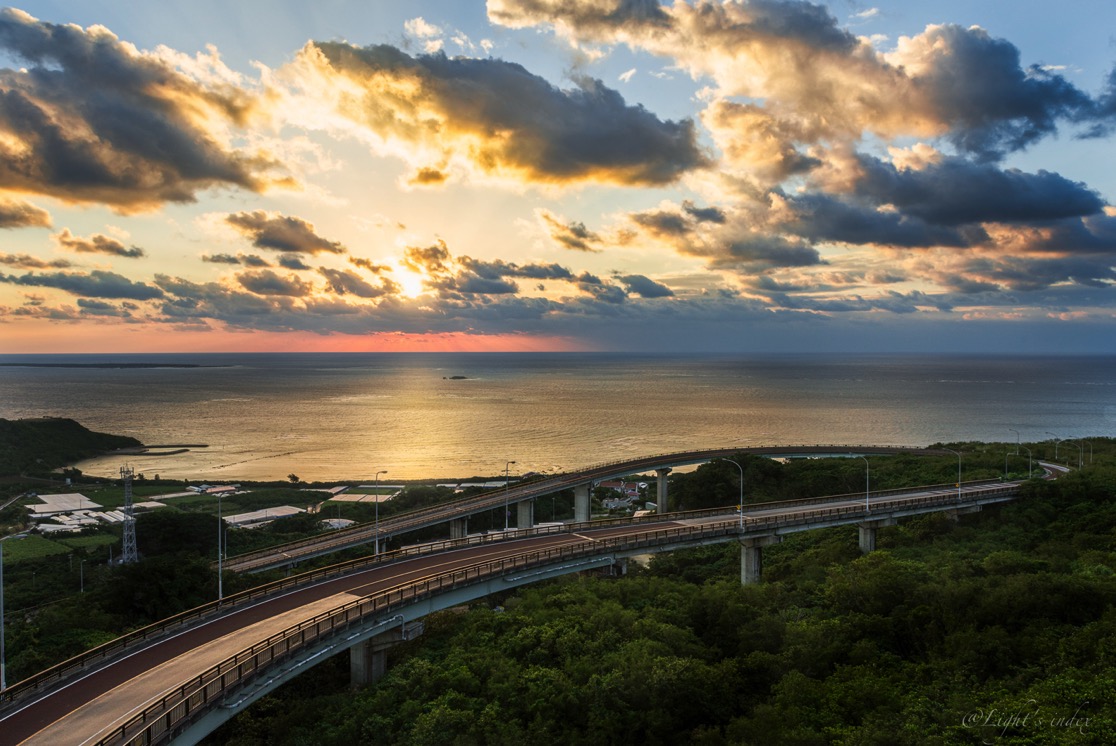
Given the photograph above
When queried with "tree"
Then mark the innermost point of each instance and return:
(294, 478)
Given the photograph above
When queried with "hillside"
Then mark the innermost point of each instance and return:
(43, 444)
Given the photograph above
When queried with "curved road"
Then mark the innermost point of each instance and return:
(95, 703)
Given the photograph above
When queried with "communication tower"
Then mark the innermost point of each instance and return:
(131, 554)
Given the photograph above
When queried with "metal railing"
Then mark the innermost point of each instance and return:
(424, 517)
(189, 701)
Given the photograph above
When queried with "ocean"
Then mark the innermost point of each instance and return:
(459, 415)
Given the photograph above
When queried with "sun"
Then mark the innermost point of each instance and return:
(411, 283)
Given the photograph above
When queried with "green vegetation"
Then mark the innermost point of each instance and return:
(942, 636)
(38, 446)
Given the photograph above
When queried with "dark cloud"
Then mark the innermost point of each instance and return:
(101, 308)
(266, 282)
(645, 287)
(284, 233)
(96, 284)
(345, 282)
(26, 261)
(599, 290)
(572, 235)
(992, 103)
(91, 119)
(704, 214)
(20, 214)
(818, 217)
(507, 121)
(97, 244)
(220, 259)
(955, 191)
(292, 261)
(499, 268)
(760, 252)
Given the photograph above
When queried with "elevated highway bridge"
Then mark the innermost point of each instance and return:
(181, 678)
(523, 495)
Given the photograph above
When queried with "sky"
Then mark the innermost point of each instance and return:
(548, 175)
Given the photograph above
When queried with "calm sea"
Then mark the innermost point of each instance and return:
(334, 416)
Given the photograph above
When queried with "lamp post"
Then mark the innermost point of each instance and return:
(375, 494)
(81, 576)
(956, 453)
(1057, 440)
(867, 483)
(3, 670)
(741, 468)
(508, 464)
(220, 552)
(1016, 439)
(1028, 450)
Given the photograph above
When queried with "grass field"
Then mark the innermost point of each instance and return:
(32, 547)
(89, 542)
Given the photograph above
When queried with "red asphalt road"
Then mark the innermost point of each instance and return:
(23, 724)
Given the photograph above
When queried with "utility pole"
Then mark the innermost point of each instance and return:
(131, 553)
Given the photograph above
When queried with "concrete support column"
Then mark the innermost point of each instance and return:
(956, 513)
(868, 533)
(661, 498)
(525, 514)
(367, 665)
(867, 538)
(751, 557)
(581, 502)
(459, 527)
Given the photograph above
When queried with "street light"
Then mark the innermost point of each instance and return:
(867, 508)
(375, 493)
(1028, 450)
(508, 464)
(741, 468)
(1057, 440)
(81, 576)
(3, 671)
(220, 551)
(958, 471)
(1016, 439)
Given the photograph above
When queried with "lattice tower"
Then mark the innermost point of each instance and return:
(131, 554)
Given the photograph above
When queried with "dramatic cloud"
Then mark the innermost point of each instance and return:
(97, 244)
(817, 82)
(96, 284)
(20, 214)
(92, 119)
(282, 233)
(490, 117)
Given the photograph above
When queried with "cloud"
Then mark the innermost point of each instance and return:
(270, 230)
(818, 83)
(367, 264)
(570, 235)
(343, 282)
(26, 261)
(95, 284)
(266, 282)
(220, 259)
(490, 118)
(93, 119)
(292, 261)
(97, 244)
(20, 214)
(645, 287)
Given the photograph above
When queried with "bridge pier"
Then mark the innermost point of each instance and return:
(525, 514)
(956, 513)
(459, 528)
(581, 503)
(368, 658)
(751, 557)
(868, 533)
(661, 490)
